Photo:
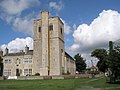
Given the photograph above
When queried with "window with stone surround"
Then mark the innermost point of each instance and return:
(51, 27)
(39, 29)
(27, 60)
(7, 61)
(27, 72)
(7, 72)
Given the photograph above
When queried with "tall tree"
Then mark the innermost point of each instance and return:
(80, 63)
(109, 61)
(101, 55)
(114, 64)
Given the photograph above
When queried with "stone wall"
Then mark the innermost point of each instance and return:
(17, 62)
(50, 77)
(54, 77)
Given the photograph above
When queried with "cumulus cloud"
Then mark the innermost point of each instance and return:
(97, 35)
(67, 28)
(11, 11)
(13, 7)
(102, 29)
(18, 44)
(24, 25)
(57, 6)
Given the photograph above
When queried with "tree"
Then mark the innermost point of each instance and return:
(101, 55)
(114, 63)
(109, 61)
(80, 63)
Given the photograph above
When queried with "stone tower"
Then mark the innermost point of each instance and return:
(48, 54)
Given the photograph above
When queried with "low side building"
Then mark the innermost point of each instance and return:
(21, 63)
(70, 67)
(18, 64)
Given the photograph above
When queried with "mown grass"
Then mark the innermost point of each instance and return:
(66, 84)
(95, 84)
(37, 85)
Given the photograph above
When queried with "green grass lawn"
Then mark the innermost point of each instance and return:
(67, 84)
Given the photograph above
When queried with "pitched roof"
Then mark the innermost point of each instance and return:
(69, 56)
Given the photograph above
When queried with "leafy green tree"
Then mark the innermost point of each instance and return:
(101, 55)
(80, 63)
(114, 63)
(109, 61)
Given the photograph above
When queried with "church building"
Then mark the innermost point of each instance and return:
(48, 56)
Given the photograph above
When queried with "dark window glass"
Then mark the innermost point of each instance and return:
(51, 27)
(61, 30)
(39, 29)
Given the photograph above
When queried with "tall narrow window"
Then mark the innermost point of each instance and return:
(61, 30)
(51, 27)
(39, 29)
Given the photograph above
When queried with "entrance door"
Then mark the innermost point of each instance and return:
(17, 72)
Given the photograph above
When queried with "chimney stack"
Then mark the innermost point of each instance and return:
(6, 51)
(26, 49)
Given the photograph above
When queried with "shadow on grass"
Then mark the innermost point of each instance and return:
(117, 82)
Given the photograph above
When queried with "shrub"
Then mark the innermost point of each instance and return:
(37, 74)
(68, 73)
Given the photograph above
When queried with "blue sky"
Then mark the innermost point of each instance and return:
(89, 24)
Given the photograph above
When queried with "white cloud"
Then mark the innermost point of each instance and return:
(97, 35)
(57, 6)
(11, 10)
(74, 27)
(6, 17)
(13, 7)
(24, 25)
(67, 28)
(90, 60)
(18, 44)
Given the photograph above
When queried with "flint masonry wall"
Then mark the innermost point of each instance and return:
(48, 45)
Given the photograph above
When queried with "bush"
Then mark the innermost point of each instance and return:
(68, 73)
(37, 74)
(4, 77)
(93, 72)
